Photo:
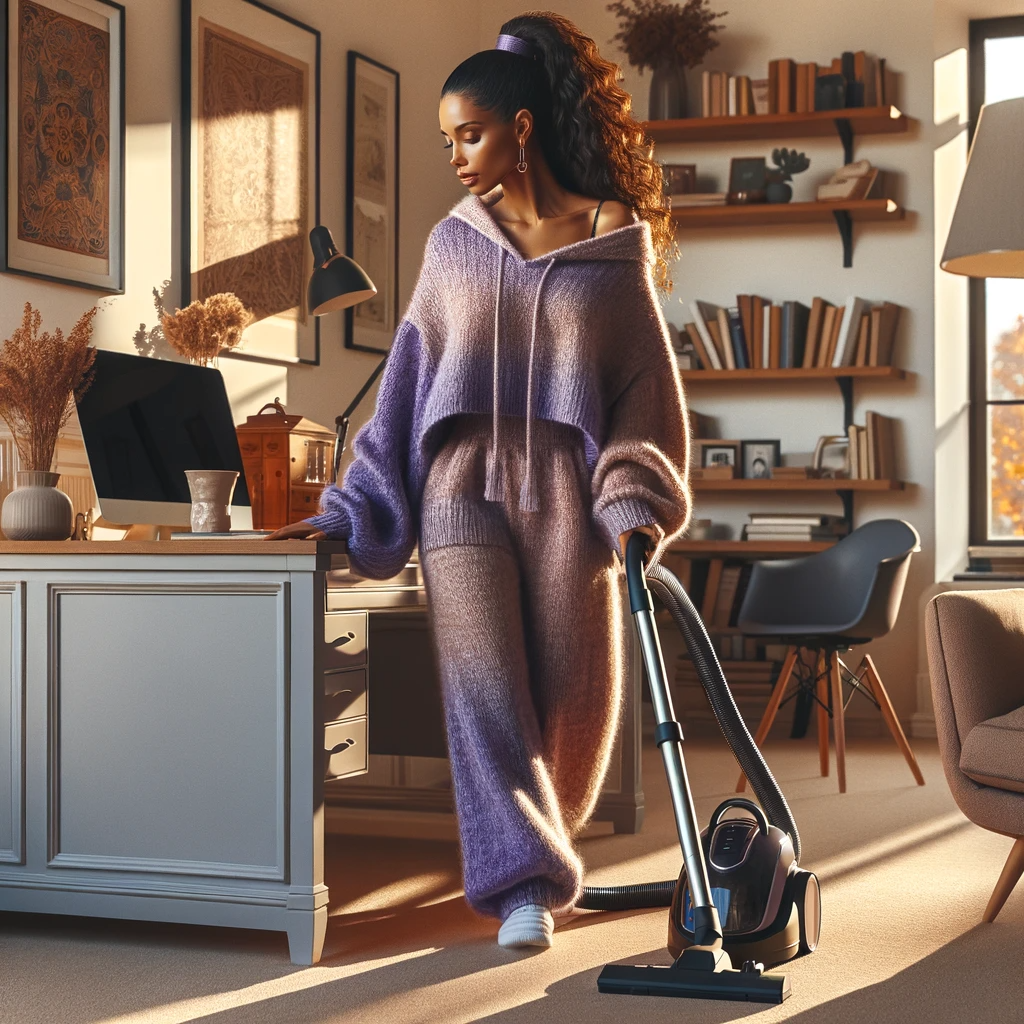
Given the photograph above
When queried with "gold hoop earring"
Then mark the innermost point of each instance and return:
(522, 165)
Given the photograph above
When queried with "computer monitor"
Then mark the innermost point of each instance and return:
(144, 422)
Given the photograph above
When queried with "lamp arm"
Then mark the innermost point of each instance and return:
(341, 422)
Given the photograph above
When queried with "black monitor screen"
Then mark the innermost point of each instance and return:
(145, 421)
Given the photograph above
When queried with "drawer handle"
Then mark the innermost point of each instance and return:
(344, 639)
(338, 748)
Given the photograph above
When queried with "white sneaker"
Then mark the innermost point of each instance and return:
(531, 925)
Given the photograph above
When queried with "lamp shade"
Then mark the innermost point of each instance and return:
(986, 236)
(337, 281)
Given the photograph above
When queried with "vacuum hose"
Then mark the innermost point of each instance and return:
(672, 594)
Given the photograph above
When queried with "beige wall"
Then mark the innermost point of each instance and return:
(425, 39)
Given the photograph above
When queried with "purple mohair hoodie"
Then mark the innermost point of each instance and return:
(576, 336)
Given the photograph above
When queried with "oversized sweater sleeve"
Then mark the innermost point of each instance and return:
(375, 507)
(642, 473)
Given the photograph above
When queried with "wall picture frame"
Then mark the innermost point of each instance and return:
(371, 198)
(63, 130)
(759, 459)
(251, 169)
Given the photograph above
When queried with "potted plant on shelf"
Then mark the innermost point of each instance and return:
(41, 375)
(668, 38)
(205, 328)
(787, 163)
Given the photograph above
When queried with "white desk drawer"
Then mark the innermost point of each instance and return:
(344, 639)
(344, 693)
(345, 748)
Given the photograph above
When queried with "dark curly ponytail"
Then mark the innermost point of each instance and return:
(592, 143)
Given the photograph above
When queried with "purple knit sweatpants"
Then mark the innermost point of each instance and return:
(527, 624)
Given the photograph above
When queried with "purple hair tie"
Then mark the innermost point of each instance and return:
(515, 45)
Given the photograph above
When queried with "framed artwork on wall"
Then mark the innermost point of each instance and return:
(62, 123)
(371, 199)
(251, 169)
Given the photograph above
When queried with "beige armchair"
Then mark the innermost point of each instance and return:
(976, 660)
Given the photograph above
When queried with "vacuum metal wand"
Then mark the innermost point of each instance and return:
(669, 737)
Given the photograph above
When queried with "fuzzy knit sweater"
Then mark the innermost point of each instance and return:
(576, 336)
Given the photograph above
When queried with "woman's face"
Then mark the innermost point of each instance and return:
(483, 149)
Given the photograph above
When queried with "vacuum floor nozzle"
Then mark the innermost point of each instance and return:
(655, 980)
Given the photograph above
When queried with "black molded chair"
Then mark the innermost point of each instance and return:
(825, 604)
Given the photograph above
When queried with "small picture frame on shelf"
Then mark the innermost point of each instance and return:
(679, 179)
(715, 454)
(759, 459)
(748, 179)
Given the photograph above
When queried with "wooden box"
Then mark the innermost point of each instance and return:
(288, 461)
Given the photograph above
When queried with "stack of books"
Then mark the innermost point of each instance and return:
(758, 334)
(855, 79)
(795, 526)
(872, 448)
(991, 562)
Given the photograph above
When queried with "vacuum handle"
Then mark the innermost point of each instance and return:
(636, 581)
(738, 801)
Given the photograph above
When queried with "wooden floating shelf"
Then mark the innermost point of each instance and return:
(798, 485)
(781, 214)
(754, 549)
(886, 120)
(800, 373)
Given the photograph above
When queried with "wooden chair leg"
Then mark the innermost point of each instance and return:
(1012, 870)
(838, 720)
(875, 682)
(773, 707)
(821, 691)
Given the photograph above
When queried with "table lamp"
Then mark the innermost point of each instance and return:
(986, 236)
(338, 282)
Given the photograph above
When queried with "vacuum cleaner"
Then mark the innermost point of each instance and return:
(741, 897)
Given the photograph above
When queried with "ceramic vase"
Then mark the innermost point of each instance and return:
(35, 509)
(211, 491)
(668, 97)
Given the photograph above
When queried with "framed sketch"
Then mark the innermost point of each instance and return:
(759, 459)
(718, 453)
(371, 199)
(251, 169)
(62, 124)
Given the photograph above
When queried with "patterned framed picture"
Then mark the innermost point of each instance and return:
(371, 199)
(251, 169)
(62, 123)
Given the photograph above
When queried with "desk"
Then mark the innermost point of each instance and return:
(165, 708)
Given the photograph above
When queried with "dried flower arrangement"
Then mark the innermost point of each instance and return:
(653, 32)
(41, 374)
(204, 328)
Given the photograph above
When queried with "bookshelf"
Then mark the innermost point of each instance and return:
(836, 373)
(846, 123)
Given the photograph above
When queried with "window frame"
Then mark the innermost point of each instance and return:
(980, 30)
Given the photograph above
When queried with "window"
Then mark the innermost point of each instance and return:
(997, 324)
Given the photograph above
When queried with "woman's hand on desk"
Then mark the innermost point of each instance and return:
(298, 531)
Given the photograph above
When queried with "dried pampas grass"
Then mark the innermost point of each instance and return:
(204, 328)
(41, 374)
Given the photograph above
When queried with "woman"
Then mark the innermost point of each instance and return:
(529, 417)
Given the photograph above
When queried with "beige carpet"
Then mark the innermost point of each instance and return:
(905, 878)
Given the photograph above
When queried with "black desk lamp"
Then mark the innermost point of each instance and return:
(338, 282)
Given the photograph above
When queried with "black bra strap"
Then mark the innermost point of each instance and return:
(593, 230)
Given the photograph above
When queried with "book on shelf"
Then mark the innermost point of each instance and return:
(762, 535)
(713, 472)
(759, 95)
(759, 334)
(872, 448)
(727, 587)
(792, 473)
(795, 519)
